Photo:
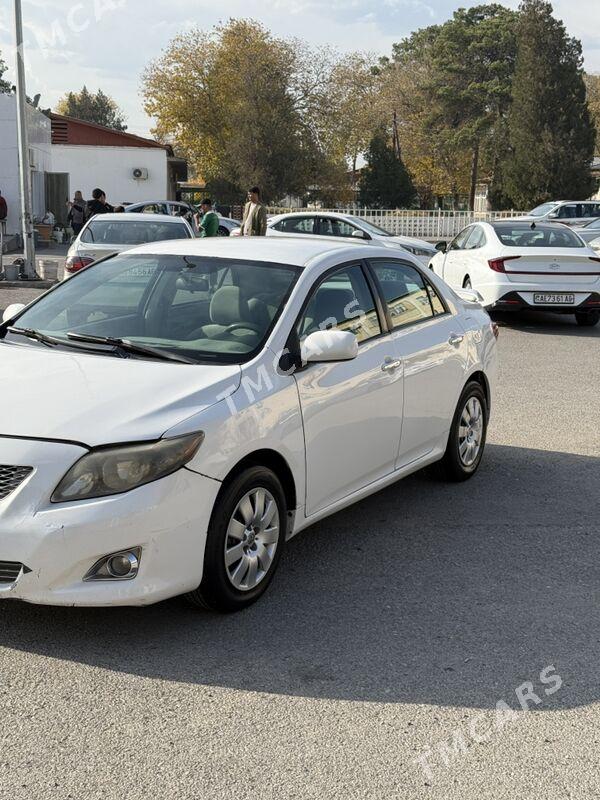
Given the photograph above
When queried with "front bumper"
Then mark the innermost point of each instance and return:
(59, 543)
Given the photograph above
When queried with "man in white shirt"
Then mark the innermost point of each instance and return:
(254, 222)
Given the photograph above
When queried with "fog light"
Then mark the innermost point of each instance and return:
(120, 566)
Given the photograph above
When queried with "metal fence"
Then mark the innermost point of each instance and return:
(420, 224)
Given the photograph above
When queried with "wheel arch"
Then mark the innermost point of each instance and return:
(274, 461)
(480, 377)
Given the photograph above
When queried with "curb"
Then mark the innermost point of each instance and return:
(27, 284)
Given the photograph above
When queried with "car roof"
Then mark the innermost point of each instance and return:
(527, 223)
(293, 250)
(134, 216)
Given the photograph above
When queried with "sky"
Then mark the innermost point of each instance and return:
(107, 43)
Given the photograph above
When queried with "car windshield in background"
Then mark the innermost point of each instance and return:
(523, 235)
(130, 232)
(374, 230)
(545, 208)
(205, 309)
(595, 223)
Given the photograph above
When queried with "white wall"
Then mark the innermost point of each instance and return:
(110, 168)
(38, 128)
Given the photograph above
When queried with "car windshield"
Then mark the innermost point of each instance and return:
(132, 231)
(211, 310)
(524, 235)
(595, 223)
(374, 230)
(539, 211)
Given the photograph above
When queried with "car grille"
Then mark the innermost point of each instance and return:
(12, 477)
(10, 571)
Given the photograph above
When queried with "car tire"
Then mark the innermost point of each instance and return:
(588, 319)
(223, 231)
(228, 584)
(466, 439)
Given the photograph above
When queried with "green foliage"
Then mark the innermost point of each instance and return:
(89, 107)
(551, 132)
(5, 86)
(385, 182)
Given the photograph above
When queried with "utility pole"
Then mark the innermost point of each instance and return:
(24, 174)
(396, 138)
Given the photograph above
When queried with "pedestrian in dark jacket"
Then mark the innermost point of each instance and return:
(98, 204)
(76, 216)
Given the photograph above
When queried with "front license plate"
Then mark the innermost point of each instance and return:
(554, 299)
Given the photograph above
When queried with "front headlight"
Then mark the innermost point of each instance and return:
(419, 251)
(114, 470)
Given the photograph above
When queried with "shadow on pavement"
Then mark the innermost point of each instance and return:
(424, 593)
(545, 323)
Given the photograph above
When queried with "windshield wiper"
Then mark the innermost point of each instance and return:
(129, 347)
(38, 336)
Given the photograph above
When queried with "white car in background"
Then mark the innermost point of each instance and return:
(106, 234)
(516, 264)
(204, 401)
(346, 226)
(566, 212)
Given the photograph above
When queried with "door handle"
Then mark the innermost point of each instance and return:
(456, 339)
(390, 364)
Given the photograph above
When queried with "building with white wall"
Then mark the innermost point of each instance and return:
(40, 159)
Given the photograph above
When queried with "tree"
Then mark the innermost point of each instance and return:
(239, 102)
(592, 83)
(89, 107)
(551, 133)
(385, 183)
(462, 72)
(5, 86)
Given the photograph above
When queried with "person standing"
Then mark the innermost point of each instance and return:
(254, 222)
(76, 216)
(98, 204)
(3, 209)
(209, 224)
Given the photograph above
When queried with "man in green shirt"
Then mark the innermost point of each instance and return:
(209, 225)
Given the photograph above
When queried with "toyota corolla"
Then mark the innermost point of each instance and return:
(175, 413)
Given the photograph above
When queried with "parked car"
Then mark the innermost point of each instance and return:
(516, 265)
(106, 234)
(177, 208)
(566, 212)
(588, 232)
(346, 226)
(206, 400)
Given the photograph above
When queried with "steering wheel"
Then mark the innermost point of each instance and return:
(244, 326)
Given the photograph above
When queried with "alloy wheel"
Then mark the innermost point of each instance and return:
(252, 539)
(470, 432)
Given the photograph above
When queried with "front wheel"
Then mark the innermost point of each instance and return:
(467, 438)
(246, 537)
(588, 319)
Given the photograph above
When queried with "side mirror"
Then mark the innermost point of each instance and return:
(360, 235)
(329, 346)
(469, 295)
(12, 311)
(553, 215)
(441, 247)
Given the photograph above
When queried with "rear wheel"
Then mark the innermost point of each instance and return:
(588, 319)
(246, 537)
(223, 231)
(467, 438)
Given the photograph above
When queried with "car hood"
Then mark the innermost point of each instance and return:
(409, 240)
(96, 400)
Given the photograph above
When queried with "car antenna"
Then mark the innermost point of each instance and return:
(533, 226)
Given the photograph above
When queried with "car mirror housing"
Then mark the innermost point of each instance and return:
(329, 346)
(12, 311)
(441, 247)
(469, 295)
(360, 235)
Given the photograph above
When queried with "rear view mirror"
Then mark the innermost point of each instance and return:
(469, 295)
(192, 283)
(329, 346)
(360, 235)
(12, 311)
(441, 247)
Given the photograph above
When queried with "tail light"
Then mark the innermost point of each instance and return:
(75, 263)
(498, 264)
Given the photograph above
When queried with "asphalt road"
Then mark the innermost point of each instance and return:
(393, 630)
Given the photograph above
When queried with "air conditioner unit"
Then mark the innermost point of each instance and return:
(140, 174)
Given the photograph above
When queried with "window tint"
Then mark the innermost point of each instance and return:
(568, 212)
(132, 231)
(521, 234)
(328, 226)
(343, 301)
(476, 239)
(296, 225)
(406, 293)
(153, 208)
(461, 239)
(590, 210)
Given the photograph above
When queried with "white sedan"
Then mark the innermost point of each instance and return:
(515, 265)
(204, 401)
(346, 226)
(105, 234)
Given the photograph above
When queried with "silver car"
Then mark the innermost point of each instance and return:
(347, 226)
(106, 234)
(589, 231)
(178, 208)
(568, 212)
